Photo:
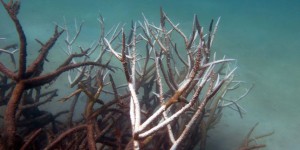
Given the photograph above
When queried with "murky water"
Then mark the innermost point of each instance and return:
(264, 36)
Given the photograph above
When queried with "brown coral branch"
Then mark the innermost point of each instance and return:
(47, 78)
(31, 138)
(43, 52)
(64, 135)
(91, 137)
(8, 72)
(9, 117)
(12, 9)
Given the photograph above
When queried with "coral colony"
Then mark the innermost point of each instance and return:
(171, 94)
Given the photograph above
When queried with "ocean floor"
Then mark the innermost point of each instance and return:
(264, 37)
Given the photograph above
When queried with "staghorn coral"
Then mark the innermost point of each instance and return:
(160, 106)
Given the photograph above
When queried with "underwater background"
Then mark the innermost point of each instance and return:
(263, 35)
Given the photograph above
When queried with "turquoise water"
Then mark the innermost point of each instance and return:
(263, 35)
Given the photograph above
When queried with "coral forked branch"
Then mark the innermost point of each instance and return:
(159, 94)
(28, 78)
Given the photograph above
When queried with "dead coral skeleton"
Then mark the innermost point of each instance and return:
(160, 94)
